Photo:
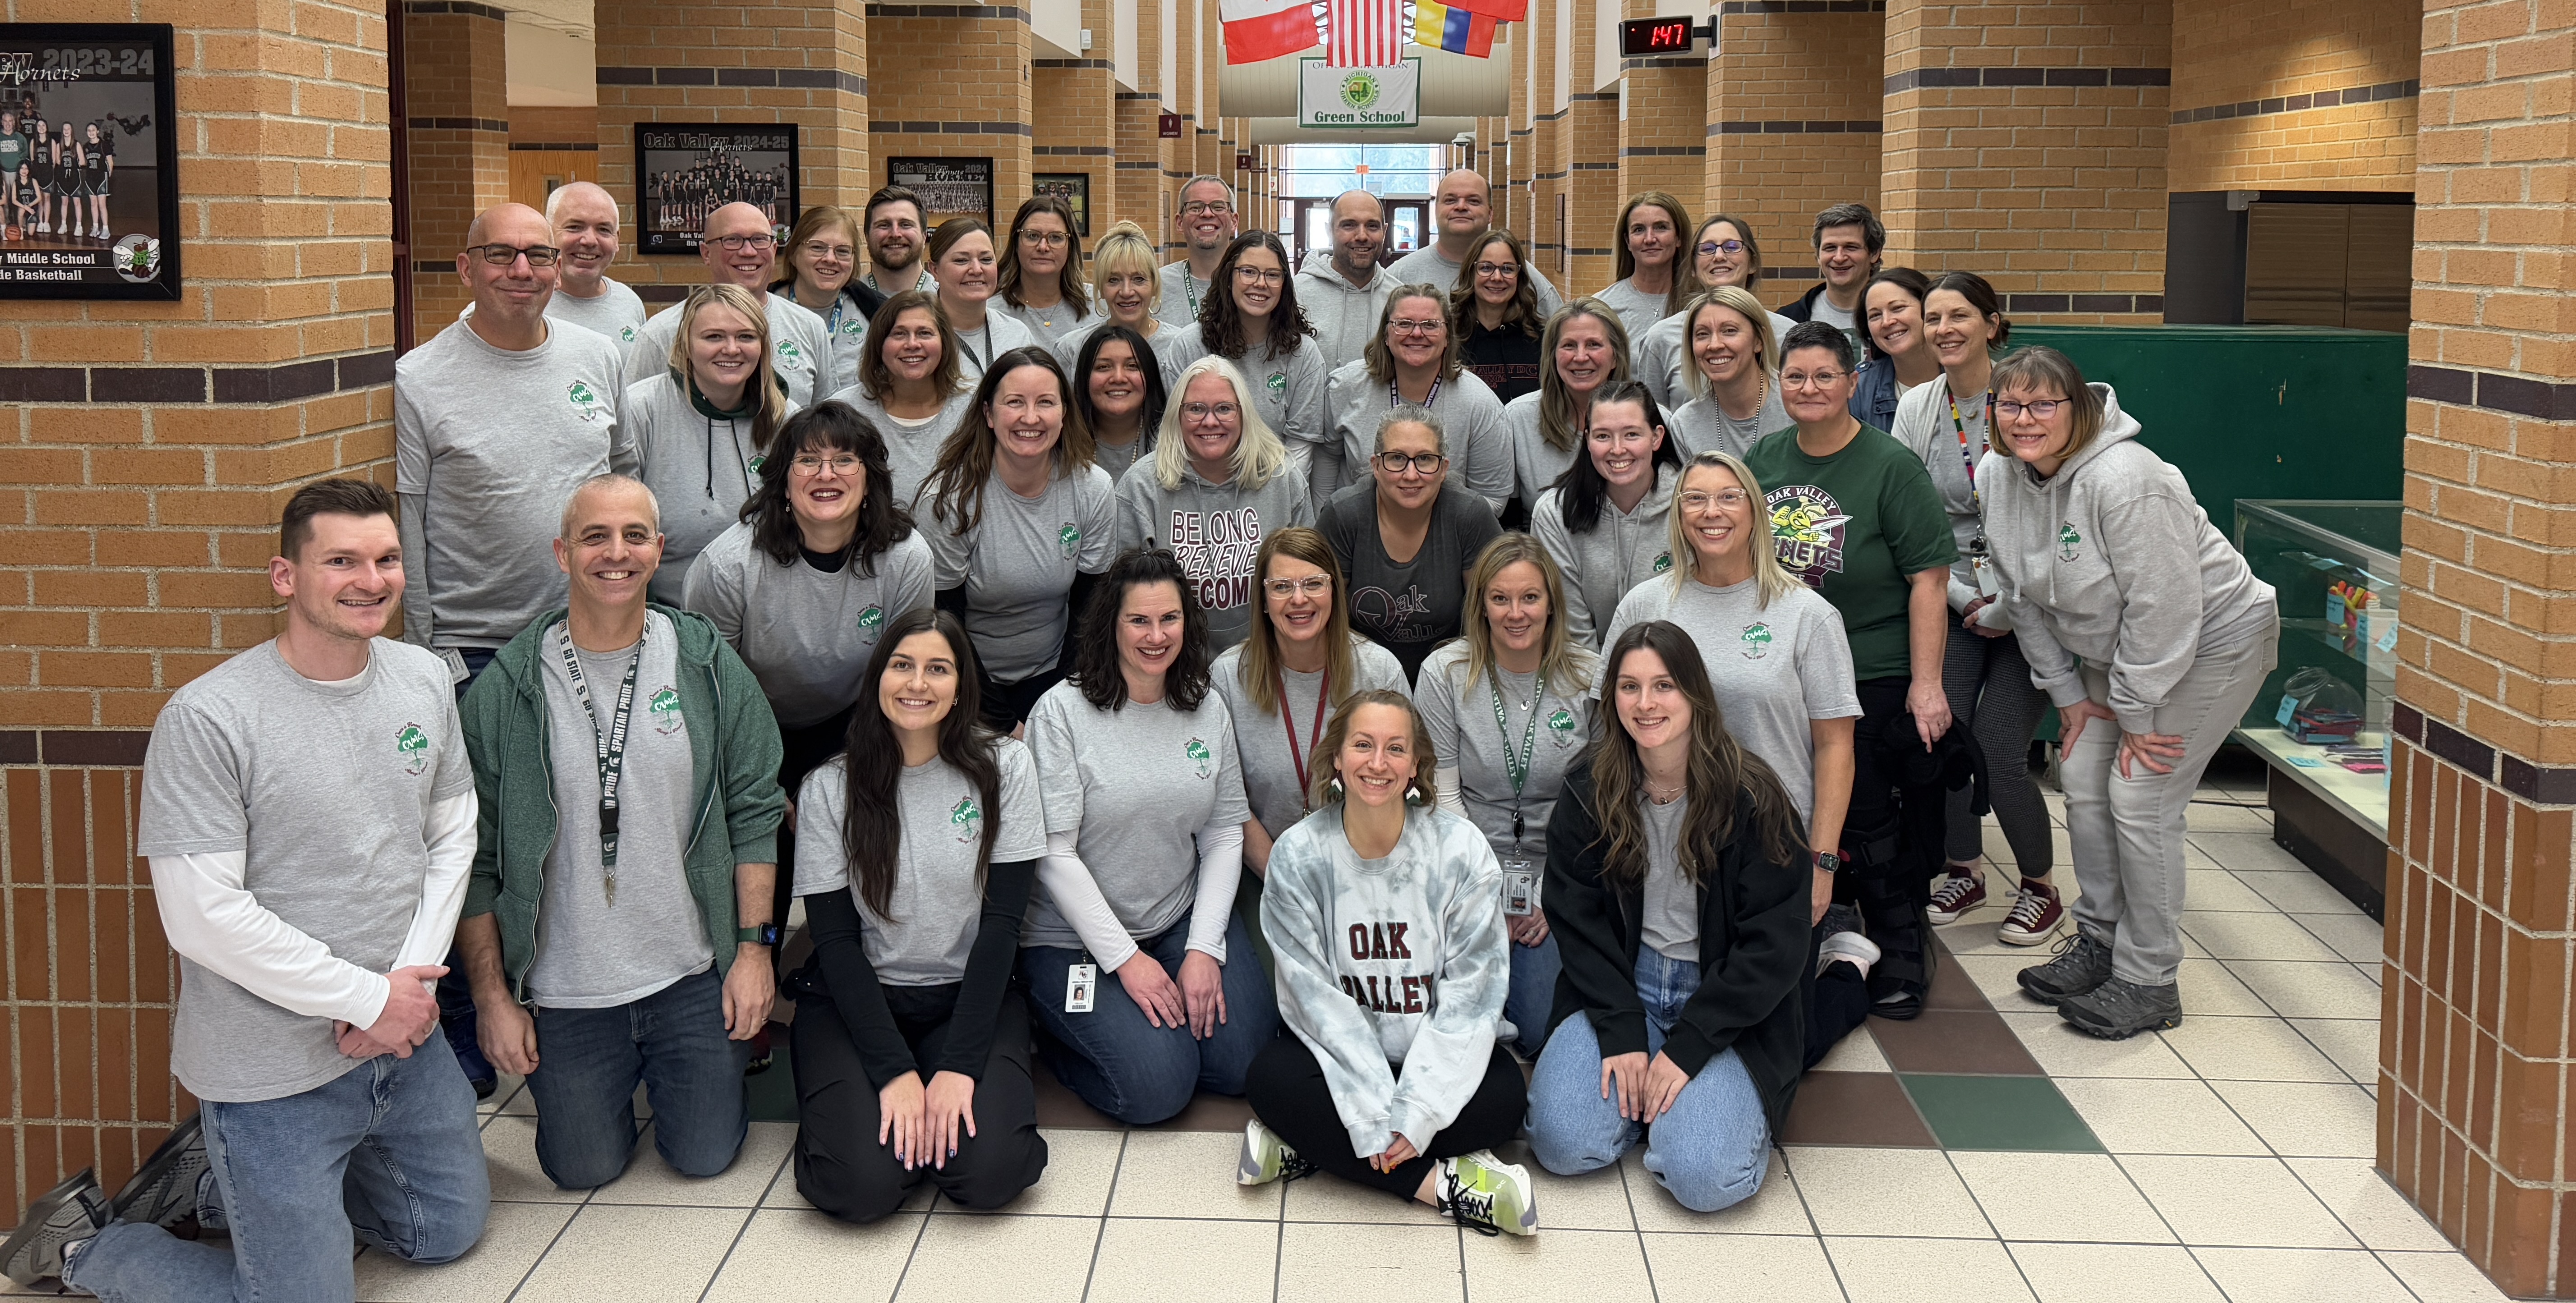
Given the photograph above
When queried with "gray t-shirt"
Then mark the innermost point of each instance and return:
(800, 350)
(1535, 462)
(1135, 786)
(1182, 293)
(912, 447)
(1287, 390)
(1426, 266)
(1047, 326)
(1821, 308)
(1460, 720)
(615, 312)
(595, 952)
(1119, 458)
(1411, 606)
(1270, 779)
(1471, 419)
(325, 789)
(1215, 530)
(701, 469)
(1663, 356)
(1700, 425)
(1669, 916)
(1068, 347)
(937, 900)
(1774, 669)
(1638, 310)
(1923, 424)
(492, 442)
(1018, 564)
(807, 634)
(1000, 333)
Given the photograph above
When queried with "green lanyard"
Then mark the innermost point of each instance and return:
(1517, 767)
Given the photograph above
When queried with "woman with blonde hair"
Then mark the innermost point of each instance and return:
(1218, 480)
(909, 386)
(1041, 282)
(817, 269)
(1127, 289)
(1655, 277)
(1413, 358)
(1723, 252)
(1585, 347)
(1508, 707)
(1732, 385)
(702, 428)
(1494, 316)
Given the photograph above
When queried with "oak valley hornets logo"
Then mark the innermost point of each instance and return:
(1361, 91)
(1198, 751)
(412, 744)
(585, 400)
(967, 818)
(870, 621)
(137, 258)
(664, 707)
(1068, 536)
(1277, 383)
(2070, 544)
(1663, 562)
(1807, 527)
(1560, 727)
(1757, 641)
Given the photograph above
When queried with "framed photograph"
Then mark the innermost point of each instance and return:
(1074, 188)
(949, 187)
(684, 172)
(89, 162)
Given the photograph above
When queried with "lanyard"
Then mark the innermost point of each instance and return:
(1965, 458)
(1190, 286)
(1517, 767)
(1395, 394)
(1297, 754)
(987, 332)
(612, 750)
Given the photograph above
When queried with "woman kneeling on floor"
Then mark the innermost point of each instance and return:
(1385, 920)
(912, 1059)
(1680, 907)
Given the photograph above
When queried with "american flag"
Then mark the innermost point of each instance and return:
(1363, 33)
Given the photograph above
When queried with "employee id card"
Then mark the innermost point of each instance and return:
(1520, 886)
(1080, 981)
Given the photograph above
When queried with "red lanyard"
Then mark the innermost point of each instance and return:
(1296, 753)
(1395, 394)
(1965, 458)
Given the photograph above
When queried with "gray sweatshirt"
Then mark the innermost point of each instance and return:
(1623, 550)
(701, 469)
(1068, 347)
(1000, 333)
(1047, 326)
(800, 350)
(1459, 717)
(912, 450)
(1700, 425)
(1344, 315)
(1662, 355)
(1480, 459)
(1288, 391)
(1216, 531)
(1270, 778)
(1637, 309)
(1535, 462)
(1392, 971)
(2113, 560)
(616, 311)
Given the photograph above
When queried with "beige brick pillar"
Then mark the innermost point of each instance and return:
(1663, 142)
(2474, 1039)
(2026, 141)
(1592, 158)
(456, 96)
(953, 81)
(1076, 124)
(1793, 126)
(1550, 24)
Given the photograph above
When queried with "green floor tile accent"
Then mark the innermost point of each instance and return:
(2024, 1113)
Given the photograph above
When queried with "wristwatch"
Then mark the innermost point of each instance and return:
(1828, 862)
(766, 934)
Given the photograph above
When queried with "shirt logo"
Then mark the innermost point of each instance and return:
(1757, 641)
(2070, 544)
(789, 353)
(627, 335)
(1198, 751)
(871, 620)
(1560, 727)
(1277, 384)
(412, 744)
(757, 463)
(1663, 562)
(1807, 528)
(967, 818)
(664, 707)
(585, 400)
(854, 327)
(1068, 536)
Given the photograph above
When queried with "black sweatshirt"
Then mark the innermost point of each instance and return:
(863, 1003)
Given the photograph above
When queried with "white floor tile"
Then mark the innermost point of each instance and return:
(1322, 1198)
(2445, 1277)
(514, 1237)
(1151, 1260)
(2228, 820)
(628, 1253)
(785, 1252)
(2301, 1276)
(649, 1180)
(510, 1153)
(1081, 1166)
(1594, 1201)
(2059, 1197)
(2253, 936)
(2352, 1043)
(1855, 1053)
(2245, 1202)
(1189, 1174)
(2368, 1205)
(2309, 990)
(2210, 991)
(1735, 1268)
(2159, 1117)
(1877, 1270)
(2218, 889)
(1557, 1264)
(506, 1086)
(1775, 1209)
(1909, 1192)
(1996, 976)
(2250, 1049)
(2063, 1051)
(1335, 1262)
(2114, 1273)
(2306, 1119)
(1013, 1259)
(2356, 936)
(2302, 893)
(2243, 848)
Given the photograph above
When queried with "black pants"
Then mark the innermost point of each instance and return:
(1836, 1003)
(840, 1166)
(1006, 704)
(1893, 846)
(804, 751)
(1288, 1094)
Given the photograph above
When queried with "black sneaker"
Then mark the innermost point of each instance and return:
(2081, 964)
(2119, 1009)
(59, 1219)
(163, 1191)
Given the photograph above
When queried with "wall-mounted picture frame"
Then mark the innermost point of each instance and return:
(89, 162)
(684, 171)
(949, 187)
(1074, 188)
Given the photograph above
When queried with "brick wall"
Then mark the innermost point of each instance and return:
(455, 87)
(2307, 94)
(1793, 126)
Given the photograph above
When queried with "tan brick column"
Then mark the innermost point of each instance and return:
(456, 95)
(1793, 125)
(148, 447)
(1663, 144)
(954, 81)
(1077, 120)
(1545, 233)
(2259, 101)
(2026, 141)
(2474, 1038)
(1591, 136)
(800, 61)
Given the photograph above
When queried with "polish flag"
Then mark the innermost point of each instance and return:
(1363, 33)
(1265, 29)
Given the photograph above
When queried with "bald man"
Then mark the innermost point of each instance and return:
(584, 218)
(1463, 206)
(496, 419)
(1343, 294)
(740, 247)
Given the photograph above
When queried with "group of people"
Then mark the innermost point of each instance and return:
(57, 182)
(1142, 697)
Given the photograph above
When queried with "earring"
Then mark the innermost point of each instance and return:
(1333, 789)
(1413, 794)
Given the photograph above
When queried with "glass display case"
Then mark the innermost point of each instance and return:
(2321, 720)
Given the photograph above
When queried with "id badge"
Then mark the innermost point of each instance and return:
(1520, 887)
(1983, 567)
(1080, 980)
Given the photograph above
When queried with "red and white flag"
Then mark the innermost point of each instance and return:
(1363, 33)
(1266, 29)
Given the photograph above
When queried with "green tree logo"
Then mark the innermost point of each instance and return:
(1198, 751)
(1361, 92)
(412, 744)
(664, 705)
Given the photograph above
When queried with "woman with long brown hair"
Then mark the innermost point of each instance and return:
(1041, 282)
(1493, 313)
(1251, 319)
(909, 387)
(962, 260)
(702, 428)
(1655, 271)
(1585, 348)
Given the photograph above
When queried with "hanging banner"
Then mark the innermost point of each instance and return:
(1343, 98)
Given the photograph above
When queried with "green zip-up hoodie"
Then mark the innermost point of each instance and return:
(505, 735)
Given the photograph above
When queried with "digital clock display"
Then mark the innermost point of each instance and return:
(1645, 36)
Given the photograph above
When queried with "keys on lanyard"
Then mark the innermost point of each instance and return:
(612, 748)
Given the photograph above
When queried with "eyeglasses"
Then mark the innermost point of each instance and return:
(1817, 380)
(738, 243)
(1045, 239)
(1484, 269)
(1712, 248)
(806, 463)
(1202, 411)
(1311, 586)
(2043, 408)
(502, 255)
(1203, 209)
(818, 249)
(1401, 327)
(1727, 498)
(1396, 463)
(1260, 276)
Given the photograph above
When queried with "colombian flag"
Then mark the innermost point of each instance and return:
(1454, 29)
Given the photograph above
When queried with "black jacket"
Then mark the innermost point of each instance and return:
(1805, 308)
(1754, 951)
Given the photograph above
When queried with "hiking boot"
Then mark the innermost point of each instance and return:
(59, 1220)
(163, 1192)
(1267, 1158)
(2119, 1009)
(1487, 1195)
(2081, 964)
(1954, 897)
(2035, 916)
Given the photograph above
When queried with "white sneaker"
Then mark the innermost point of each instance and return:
(1266, 1157)
(1849, 947)
(1487, 1195)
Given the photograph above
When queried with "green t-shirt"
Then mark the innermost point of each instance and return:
(1853, 526)
(13, 151)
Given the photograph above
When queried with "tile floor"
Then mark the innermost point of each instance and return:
(2006, 1158)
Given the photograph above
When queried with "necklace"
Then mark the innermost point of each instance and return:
(1748, 429)
(1666, 794)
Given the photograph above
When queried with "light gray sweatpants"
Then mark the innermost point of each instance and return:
(2127, 833)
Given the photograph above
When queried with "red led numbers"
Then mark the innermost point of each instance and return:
(1645, 36)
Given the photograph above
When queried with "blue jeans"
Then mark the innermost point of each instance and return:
(1710, 1150)
(388, 1153)
(588, 1061)
(1532, 995)
(1130, 1069)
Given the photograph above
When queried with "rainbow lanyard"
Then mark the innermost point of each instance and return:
(1967, 458)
